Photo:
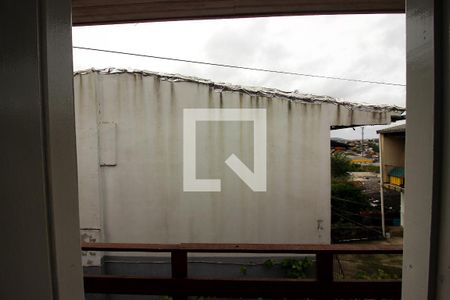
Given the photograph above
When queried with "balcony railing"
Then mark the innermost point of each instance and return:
(180, 285)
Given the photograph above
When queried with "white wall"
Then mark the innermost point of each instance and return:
(138, 194)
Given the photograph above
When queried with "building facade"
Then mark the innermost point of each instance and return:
(392, 167)
(130, 157)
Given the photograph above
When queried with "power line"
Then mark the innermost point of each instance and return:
(356, 223)
(238, 67)
(349, 201)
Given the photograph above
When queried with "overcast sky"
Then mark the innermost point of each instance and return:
(368, 47)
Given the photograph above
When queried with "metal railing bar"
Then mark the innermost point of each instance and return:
(246, 248)
(277, 288)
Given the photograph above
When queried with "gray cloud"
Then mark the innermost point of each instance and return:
(370, 47)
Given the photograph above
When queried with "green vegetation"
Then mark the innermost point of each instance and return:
(377, 275)
(365, 168)
(347, 199)
(352, 211)
(243, 270)
(341, 165)
(296, 268)
(374, 146)
(370, 267)
(293, 267)
(269, 264)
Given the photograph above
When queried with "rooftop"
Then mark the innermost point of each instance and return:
(393, 129)
(293, 96)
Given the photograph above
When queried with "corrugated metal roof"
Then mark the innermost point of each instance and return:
(254, 91)
(394, 129)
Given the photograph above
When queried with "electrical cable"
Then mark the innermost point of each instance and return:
(239, 67)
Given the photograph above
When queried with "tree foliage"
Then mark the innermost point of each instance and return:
(349, 200)
(341, 165)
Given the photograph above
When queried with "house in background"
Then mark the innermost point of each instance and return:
(392, 165)
(338, 145)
